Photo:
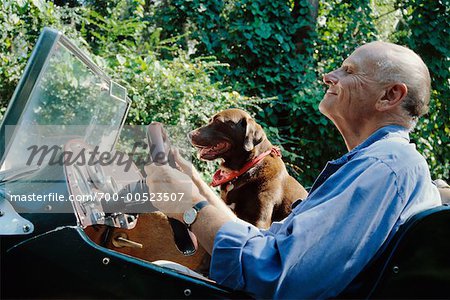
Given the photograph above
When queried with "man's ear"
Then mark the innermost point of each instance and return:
(254, 134)
(393, 96)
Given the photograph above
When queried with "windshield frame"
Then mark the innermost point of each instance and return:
(45, 46)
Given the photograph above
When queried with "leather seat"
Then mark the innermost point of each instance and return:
(414, 263)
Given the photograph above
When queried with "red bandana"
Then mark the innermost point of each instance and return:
(221, 176)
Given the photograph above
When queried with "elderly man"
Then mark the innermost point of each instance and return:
(354, 206)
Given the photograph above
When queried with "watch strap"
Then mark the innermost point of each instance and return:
(198, 206)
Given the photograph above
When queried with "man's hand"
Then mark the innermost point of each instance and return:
(205, 190)
(165, 179)
(177, 190)
(187, 168)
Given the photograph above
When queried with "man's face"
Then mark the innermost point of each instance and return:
(352, 91)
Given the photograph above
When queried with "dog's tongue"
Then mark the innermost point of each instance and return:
(214, 149)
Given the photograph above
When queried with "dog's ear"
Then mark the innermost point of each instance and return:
(254, 134)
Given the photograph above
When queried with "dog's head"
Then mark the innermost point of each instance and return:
(230, 133)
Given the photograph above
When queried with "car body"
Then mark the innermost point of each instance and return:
(64, 98)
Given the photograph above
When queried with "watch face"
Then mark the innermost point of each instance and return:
(189, 216)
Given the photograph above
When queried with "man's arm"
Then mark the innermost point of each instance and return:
(444, 190)
(210, 219)
(322, 245)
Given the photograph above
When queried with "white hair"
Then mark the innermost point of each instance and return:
(398, 64)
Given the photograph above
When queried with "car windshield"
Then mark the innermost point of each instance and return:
(71, 99)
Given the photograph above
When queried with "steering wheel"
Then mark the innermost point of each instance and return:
(160, 153)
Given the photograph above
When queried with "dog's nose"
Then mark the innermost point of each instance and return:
(190, 134)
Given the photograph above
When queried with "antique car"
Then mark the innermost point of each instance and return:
(53, 248)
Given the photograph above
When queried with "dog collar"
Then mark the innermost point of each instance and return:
(222, 177)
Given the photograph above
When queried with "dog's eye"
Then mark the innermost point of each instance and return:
(217, 119)
(242, 123)
(231, 123)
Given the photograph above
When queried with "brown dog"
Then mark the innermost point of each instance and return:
(252, 175)
(262, 194)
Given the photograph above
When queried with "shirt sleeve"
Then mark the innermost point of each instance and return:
(321, 246)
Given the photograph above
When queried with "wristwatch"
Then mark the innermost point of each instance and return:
(190, 215)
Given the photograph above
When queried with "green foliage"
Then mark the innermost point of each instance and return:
(386, 16)
(425, 28)
(177, 57)
(21, 23)
(342, 26)
(164, 90)
(176, 91)
(256, 38)
(259, 40)
(270, 55)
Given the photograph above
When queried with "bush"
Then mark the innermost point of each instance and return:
(425, 28)
(259, 39)
(270, 56)
(176, 91)
(184, 60)
(21, 23)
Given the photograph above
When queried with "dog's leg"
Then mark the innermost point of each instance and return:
(266, 201)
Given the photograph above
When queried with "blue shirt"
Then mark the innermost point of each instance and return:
(355, 204)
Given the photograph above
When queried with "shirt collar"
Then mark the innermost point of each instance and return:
(385, 132)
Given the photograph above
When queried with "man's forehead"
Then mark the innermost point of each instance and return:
(352, 61)
(349, 61)
(364, 57)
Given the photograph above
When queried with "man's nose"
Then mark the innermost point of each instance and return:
(330, 78)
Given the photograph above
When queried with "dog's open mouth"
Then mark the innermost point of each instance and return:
(213, 152)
